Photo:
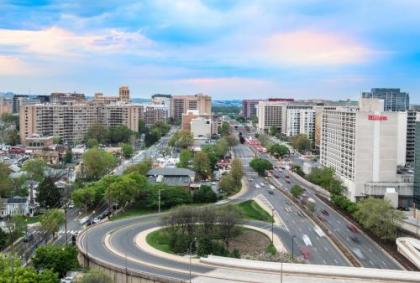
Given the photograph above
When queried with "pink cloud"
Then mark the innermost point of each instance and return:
(307, 47)
(12, 66)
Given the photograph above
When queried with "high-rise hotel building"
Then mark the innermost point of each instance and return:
(366, 147)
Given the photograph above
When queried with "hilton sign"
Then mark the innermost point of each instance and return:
(377, 117)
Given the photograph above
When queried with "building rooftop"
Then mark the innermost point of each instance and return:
(174, 172)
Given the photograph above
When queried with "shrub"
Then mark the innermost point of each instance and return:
(204, 195)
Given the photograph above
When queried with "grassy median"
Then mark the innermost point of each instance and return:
(251, 210)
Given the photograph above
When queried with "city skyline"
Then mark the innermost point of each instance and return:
(227, 49)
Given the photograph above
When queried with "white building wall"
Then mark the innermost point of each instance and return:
(201, 128)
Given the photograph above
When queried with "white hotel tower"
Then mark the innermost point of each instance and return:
(365, 146)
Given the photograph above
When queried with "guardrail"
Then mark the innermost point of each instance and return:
(326, 271)
(410, 249)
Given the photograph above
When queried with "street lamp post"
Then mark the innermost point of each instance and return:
(293, 237)
(190, 248)
(159, 201)
(272, 226)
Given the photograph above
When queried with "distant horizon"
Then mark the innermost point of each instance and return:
(225, 48)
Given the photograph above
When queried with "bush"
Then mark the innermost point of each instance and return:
(260, 165)
(204, 195)
(296, 191)
(344, 203)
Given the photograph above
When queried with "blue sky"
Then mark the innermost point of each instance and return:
(228, 49)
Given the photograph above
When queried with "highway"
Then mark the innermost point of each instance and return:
(321, 250)
(363, 248)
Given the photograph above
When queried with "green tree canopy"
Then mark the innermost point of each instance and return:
(224, 129)
(296, 191)
(278, 150)
(141, 168)
(5, 181)
(118, 134)
(48, 194)
(325, 177)
(301, 143)
(52, 220)
(95, 277)
(260, 165)
(201, 165)
(35, 168)
(127, 150)
(236, 171)
(23, 274)
(59, 259)
(98, 132)
(185, 158)
(97, 163)
(378, 216)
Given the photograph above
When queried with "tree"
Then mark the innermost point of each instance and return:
(141, 168)
(236, 171)
(97, 163)
(204, 195)
(224, 129)
(296, 191)
(227, 184)
(23, 274)
(91, 143)
(35, 168)
(278, 150)
(59, 259)
(201, 165)
(228, 218)
(184, 158)
(5, 181)
(11, 136)
(325, 178)
(68, 157)
(95, 277)
(260, 165)
(273, 131)
(98, 132)
(264, 140)
(118, 134)
(378, 216)
(122, 190)
(52, 220)
(185, 139)
(142, 127)
(84, 197)
(48, 194)
(301, 143)
(127, 150)
(231, 140)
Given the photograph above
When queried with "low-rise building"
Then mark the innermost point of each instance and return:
(14, 206)
(172, 176)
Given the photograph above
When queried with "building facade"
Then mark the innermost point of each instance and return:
(416, 190)
(271, 114)
(61, 97)
(365, 148)
(300, 119)
(124, 94)
(152, 113)
(181, 104)
(412, 116)
(249, 108)
(201, 128)
(394, 99)
(5, 106)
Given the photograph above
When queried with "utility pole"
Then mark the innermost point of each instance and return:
(159, 201)
(272, 226)
(293, 237)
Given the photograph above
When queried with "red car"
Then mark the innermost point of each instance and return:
(321, 217)
(352, 228)
(305, 252)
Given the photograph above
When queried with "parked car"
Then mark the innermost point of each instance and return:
(355, 239)
(306, 253)
(352, 228)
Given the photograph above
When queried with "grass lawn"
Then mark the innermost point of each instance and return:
(133, 212)
(250, 209)
(159, 239)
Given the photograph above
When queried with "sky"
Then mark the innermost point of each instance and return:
(228, 49)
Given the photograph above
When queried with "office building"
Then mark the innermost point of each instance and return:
(5, 106)
(394, 99)
(201, 128)
(61, 97)
(412, 116)
(181, 104)
(152, 113)
(71, 121)
(271, 114)
(416, 190)
(163, 99)
(300, 119)
(366, 147)
(249, 108)
(19, 100)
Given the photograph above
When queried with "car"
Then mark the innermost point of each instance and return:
(288, 181)
(355, 239)
(300, 213)
(305, 251)
(352, 228)
(271, 192)
(286, 177)
(325, 212)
